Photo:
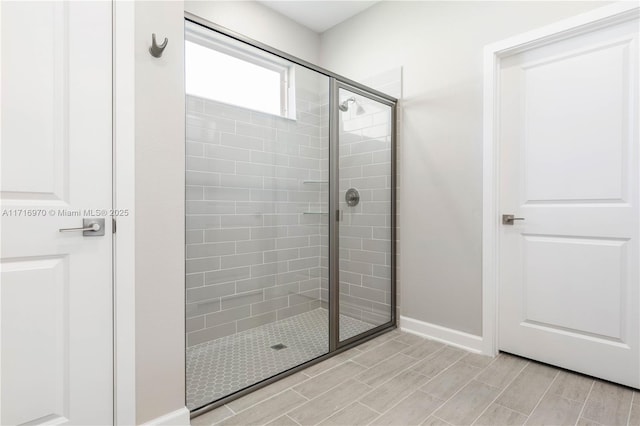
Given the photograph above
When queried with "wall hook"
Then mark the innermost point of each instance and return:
(155, 50)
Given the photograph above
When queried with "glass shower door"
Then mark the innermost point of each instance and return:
(257, 148)
(364, 212)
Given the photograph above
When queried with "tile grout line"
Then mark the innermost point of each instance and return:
(372, 409)
(299, 393)
(501, 392)
(292, 419)
(545, 394)
(633, 397)
(584, 405)
(439, 418)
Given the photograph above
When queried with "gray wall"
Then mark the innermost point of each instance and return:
(253, 256)
(439, 45)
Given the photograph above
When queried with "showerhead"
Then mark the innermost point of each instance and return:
(344, 106)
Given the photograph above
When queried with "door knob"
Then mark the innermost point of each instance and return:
(508, 219)
(90, 228)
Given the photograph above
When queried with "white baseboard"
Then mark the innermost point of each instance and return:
(181, 417)
(466, 341)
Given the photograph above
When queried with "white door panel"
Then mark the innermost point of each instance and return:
(569, 166)
(56, 288)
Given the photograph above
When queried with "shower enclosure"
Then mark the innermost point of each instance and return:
(290, 214)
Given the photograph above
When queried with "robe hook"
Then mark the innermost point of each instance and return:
(155, 49)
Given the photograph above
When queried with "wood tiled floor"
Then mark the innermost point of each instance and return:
(402, 379)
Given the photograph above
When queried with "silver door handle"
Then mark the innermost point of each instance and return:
(90, 228)
(508, 219)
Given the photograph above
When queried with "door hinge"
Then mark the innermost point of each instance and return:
(113, 228)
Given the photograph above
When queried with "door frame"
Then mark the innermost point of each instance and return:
(493, 55)
(123, 257)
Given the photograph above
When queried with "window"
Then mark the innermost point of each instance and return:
(218, 70)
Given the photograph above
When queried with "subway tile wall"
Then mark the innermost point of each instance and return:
(253, 255)
(254, 249)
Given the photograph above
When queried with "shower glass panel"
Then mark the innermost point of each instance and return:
(365, 218)
(256, 205)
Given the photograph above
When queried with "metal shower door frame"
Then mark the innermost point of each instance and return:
(334, 213)
(336, 82)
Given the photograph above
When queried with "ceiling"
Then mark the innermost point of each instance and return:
(318, 15)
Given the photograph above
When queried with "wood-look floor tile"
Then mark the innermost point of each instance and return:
(388, 394)
(325, 405)
(498, 414)
(572, 386)
(355, 414)
(330, 378)
(412, 410)
(325, 365)
(409, 339)
(445, 384)
(283, 421)
(555, 410)
(524, 393)
(477, 360)
(423, 349)
(253, 398)
(586, 422)
(212, 417)
(444, 358)
(608, 404)
(435, 421)
(380, 353)
(379, 340)
(385, 370)
(502, 370)
(267, 410)
(465, 406)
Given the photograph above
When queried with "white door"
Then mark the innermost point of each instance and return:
(568, 137)
(56, 288)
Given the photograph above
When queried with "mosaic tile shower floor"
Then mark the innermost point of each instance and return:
(222, 366)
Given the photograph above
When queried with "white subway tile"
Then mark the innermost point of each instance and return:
(240, 260)
(239, 141)
(254, 131)
(227, 275)
(228, 315)
(195, 251)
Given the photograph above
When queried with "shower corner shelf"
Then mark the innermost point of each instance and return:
(315, 181)
(314, 213)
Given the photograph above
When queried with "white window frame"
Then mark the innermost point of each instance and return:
(207, 38)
